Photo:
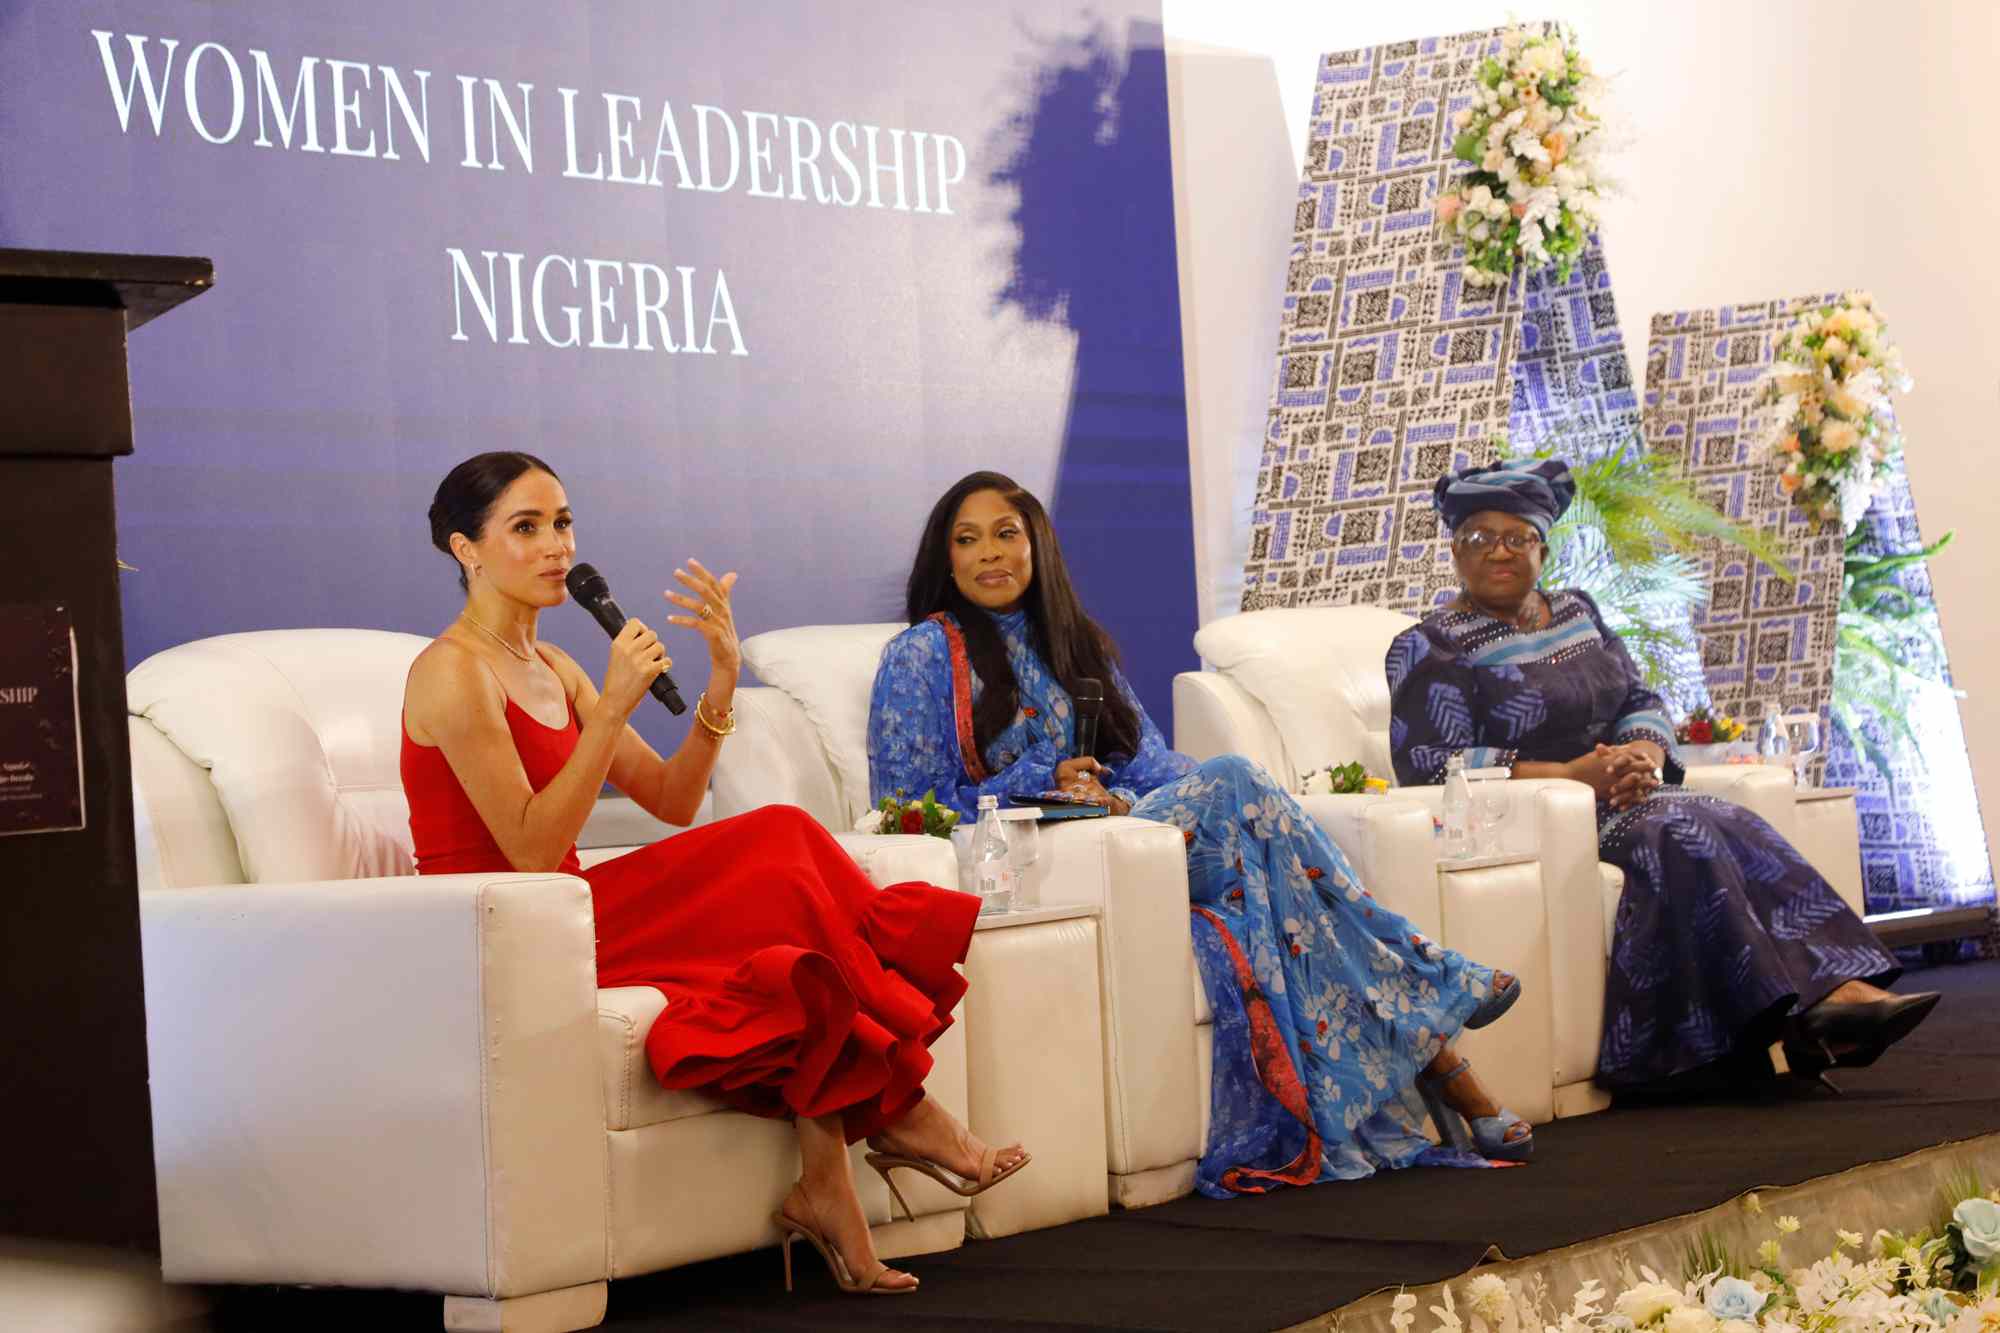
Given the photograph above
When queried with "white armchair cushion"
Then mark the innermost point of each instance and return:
(830, 671)
(379, 1083)
(301, 734)
(1318, 672)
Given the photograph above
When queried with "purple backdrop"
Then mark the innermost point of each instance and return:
(867, 347)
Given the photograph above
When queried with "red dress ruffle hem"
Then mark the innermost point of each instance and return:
(794, 986)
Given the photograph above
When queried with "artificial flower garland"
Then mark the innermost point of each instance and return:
(1943, 1283)
(1530, 135)
(1830, 380)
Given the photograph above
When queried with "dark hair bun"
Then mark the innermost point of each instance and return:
(465, 497)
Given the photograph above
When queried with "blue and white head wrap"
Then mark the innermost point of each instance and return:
(1534, 489)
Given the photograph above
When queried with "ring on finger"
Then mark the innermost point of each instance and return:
(706, 611)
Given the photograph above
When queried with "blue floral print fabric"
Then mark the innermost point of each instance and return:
(1325, 1003)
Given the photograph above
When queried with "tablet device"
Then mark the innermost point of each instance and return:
(1055, 805)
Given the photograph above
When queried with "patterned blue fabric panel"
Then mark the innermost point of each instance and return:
(1764, 642)
(1390, 370)
(1572, 386)
(1923, 842)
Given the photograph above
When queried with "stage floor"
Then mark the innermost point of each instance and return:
(1273, 1261)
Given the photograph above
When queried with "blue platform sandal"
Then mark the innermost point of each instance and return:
(1486, 1135)
(1497, 1002)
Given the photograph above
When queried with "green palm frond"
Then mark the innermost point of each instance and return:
(1889, 654)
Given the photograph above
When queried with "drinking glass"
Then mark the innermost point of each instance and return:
(1023, 850)
(1802, 730)
(1490, 802)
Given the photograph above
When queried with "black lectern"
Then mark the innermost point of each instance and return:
(79, 1164)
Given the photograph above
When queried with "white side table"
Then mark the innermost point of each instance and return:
(1495, 913)
(1034, 1037)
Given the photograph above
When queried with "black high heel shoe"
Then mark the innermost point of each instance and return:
(1864, 1028)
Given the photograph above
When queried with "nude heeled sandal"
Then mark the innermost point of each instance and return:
(791, 1229)
(885, 1162)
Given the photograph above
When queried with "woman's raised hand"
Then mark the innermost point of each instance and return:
(637, 660)
(707, 599)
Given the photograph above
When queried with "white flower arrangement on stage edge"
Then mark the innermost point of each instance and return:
(1531, 137)
(1830, 378)
(1947, 1283)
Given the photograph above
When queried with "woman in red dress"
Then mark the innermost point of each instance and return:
(794, 988)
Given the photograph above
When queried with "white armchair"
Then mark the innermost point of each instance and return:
(802, 740)
(365, 1077)
(1297, 688)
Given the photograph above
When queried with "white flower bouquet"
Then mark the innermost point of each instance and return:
(1830, 380)
(1530, 136)
(1948, 1282)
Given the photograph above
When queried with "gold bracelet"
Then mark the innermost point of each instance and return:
(701, 716)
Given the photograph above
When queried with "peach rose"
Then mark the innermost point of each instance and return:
(1448, 206)
(1558, 147)
(1790, 444)
(1788, 483)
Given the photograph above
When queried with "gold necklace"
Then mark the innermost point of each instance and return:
(467, 617)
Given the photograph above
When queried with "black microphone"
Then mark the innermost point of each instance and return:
(1088, 701)
(593, 594)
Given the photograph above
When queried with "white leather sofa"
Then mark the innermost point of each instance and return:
(1298, 688)
(802, 740)
(361, 1077)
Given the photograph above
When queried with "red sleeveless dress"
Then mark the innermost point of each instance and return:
(794, 986)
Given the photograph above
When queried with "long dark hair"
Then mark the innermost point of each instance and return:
(465, 497)
(1074, 646)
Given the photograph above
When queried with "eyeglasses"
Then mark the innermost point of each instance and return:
(1480, 541)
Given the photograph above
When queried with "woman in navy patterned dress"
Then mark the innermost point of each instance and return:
(1726, 939)
(1329, 1009)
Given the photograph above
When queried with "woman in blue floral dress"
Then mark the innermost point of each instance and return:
(1725, 939)
(1328, 1008)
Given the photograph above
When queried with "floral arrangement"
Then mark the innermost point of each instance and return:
(1340, 780)
(1702, 727)
(1529, 134)
(1830, 379)
(896, 815)
(1949, 1281)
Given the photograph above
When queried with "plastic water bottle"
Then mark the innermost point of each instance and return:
(1457, 809)
(1774, 744)
(992, 869)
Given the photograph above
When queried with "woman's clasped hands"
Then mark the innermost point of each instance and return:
(1621, 775)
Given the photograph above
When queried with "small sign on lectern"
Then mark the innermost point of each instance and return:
(41, 745)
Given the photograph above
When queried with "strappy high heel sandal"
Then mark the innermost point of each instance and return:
(1485, 1135)
(989, 1176)
(791, 1229)
(1497, 1002)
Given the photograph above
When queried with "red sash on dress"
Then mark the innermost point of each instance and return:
(961, 696)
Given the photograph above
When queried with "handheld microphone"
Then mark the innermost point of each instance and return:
(1087, 699)
(593, 594)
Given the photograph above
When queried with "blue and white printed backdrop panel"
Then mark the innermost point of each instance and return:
(1391, 369)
